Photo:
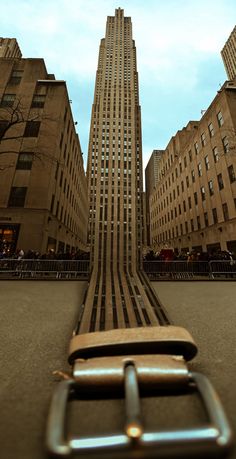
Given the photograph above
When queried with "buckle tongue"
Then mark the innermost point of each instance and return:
(133, 427)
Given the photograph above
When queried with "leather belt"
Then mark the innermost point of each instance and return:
(131, 360)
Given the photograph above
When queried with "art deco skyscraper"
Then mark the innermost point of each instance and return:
(116, 296)
(228, 54)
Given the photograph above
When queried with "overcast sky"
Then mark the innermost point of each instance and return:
(178, 54)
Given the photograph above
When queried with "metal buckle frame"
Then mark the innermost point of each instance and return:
(214, 438)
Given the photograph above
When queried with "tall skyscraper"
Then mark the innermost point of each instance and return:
(116, 296)
(228, 54)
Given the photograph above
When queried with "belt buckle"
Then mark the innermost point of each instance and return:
(215, 438)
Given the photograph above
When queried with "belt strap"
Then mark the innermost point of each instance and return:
(102, 364)
(146, 340)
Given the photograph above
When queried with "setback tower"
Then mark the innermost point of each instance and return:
(116, 297)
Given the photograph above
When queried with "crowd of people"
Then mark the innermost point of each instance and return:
(163, 255)
(49, 255)
(171, 255)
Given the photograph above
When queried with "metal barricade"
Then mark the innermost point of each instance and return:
(223, 269)
(44, 269)
(80, 269)
(176, 269)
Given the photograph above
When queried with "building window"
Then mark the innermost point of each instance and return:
(195, 197)
(187, 181)
(24, 161)
(38, 101)
(215, 154)
(214, 215)
(193, 176)
(185, 161)
(17, 196)
(190, 156)
(52, 203)
(189, 202)
(198, 222)
(3, 128)
(207, 164)
(7, 100)
(184, 206)
(225, 144)
(206, 219)
(211, 129)
(203, 193)
(231, 173)
(220, 118)
(220, 181)
(196, 147)
(225, 211)
(32, 129)
(57, 211)
(203, 139)
(16, 77)
(210, 186)
(199, 168)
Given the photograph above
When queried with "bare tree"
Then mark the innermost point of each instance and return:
(229, 134)
(14, 117)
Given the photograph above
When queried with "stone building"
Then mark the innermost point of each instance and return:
(151, 179)
(193, 206)
(228, 54)
(43, 188)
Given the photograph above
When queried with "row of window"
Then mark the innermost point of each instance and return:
(211, 132)
(220, 121)
(193, 225)
(9, 99)
(220, 182)
(31, 128)
(178, 211)
(164, 187)
(17, 199)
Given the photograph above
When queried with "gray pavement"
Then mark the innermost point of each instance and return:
(37, 319)
(208, 311)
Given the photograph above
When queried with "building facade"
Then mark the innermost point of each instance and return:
(9, 48)
(193, 206)
(151, 179)
(43, 188)
(228, 54)
(116, 298)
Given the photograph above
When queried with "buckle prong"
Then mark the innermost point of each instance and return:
(133, 426)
